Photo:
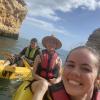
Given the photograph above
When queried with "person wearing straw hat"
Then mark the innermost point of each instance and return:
(48, 64)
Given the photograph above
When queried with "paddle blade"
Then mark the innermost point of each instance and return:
(26, 63)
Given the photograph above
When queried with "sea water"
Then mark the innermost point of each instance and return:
(7, 45)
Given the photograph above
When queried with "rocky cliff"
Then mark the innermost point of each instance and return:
(94, 39)
(12, 14)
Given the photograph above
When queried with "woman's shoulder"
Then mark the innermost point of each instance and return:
(96, 95)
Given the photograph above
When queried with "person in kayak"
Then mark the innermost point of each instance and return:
(79, 78)
(48, 64)
(29, 53)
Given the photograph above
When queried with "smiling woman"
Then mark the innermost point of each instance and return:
(80, 73)
(79, 77)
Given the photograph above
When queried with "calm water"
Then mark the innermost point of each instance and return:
(9, 46)
(13, 46)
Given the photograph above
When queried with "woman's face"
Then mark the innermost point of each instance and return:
(80, 72)
(33, 44)
(50, 48)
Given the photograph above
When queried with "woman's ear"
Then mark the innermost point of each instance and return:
(97, 82)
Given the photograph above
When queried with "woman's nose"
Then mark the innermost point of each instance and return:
(75, 72)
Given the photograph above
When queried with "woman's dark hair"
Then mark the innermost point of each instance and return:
(91, 49)
(34, 40)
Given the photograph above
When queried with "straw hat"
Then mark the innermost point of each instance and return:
(51, 41)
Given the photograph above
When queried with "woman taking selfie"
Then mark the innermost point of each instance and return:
(79, 78)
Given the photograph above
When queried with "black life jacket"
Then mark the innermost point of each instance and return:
(48, 68)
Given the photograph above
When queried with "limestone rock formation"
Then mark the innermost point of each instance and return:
(94, 39)
(12, 14)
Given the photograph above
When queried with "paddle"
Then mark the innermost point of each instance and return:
(8, 55)
(29, 67)
(25, 62)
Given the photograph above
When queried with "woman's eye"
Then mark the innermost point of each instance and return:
(86, 69)
(69, 65)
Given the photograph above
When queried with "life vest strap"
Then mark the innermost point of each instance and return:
(58, 92)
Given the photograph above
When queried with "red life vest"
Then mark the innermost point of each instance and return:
(57, 92)
(96, 95)
(48, 68)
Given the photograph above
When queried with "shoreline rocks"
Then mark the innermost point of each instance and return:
(94, 39)
(12, 14)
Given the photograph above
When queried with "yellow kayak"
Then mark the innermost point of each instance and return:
(13, 72)
(22, 92)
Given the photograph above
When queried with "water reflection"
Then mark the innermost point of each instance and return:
(8, 87)
(4, 90)
(7, 43)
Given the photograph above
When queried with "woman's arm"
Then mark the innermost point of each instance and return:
(58, 79)
(35, 65)
(39, 88)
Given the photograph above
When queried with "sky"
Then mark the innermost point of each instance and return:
(71, 21)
